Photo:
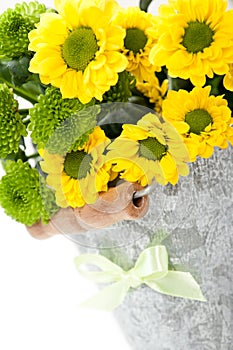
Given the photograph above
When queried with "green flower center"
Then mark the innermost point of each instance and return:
(198, 120)
(135, 40)
(152, 149)
(17, 197)
(77, 164)
(197, 36)
(16, 23)
(80, 48)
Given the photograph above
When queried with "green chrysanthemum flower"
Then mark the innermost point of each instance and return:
(49, 206)
(23, 194)
(32, 10)
(122, 91)
(15, 24)
(50, 112)
(74, 132)
(11, 125)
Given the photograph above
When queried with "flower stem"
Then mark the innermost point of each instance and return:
(35, 155)
(21, 92)
(25, 94)
(215, 84)
(23, 111)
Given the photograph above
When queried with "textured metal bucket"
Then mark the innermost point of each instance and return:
(194, 219)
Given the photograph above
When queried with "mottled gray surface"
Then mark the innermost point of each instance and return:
(195, 221)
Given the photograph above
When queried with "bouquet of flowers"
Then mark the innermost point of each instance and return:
(117, 95)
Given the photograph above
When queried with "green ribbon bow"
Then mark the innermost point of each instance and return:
(151, 268)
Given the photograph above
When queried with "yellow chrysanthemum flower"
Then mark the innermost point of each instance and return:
(204, 121)
(154, 91)
(77, 49)
(150, 150)
(228, 79)
(195, 39)
(79, 176)
(138, 41)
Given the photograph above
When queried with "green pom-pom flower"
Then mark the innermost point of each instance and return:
(122, 91)
(49, 206)
(31, 10)
(15, 24)
(23, 194)
(11, 125)
(50, 112)
(74, 132)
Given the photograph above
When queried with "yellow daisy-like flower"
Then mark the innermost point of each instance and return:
(154, 91)
(150, 150)
(138, 41)
(79, 176)
(204, 121)
(77, 49)
(228, 79)
(195, 39)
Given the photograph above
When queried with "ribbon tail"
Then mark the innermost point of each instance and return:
(178, 284)
(108, 298)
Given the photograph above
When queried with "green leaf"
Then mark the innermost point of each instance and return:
(144, 4)
(19, 70)
(5, 75)
(15, 74)
(178, 83)
(113, 115)
(33, 88)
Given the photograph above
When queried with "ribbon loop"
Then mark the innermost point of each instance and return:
(151, 268)
(152, 261)
(110, 272)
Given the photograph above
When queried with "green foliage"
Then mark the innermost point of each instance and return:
(15, 74)
(113, 115)
(18, 70)
(11, 125)
(144, 4)
(178, 83)
(23, 194)
(15, 24)
(50, 112)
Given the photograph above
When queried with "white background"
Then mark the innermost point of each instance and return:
(40, 288)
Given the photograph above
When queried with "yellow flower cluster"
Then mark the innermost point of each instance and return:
(204, 121)
(178, 65)
(150, 150)
(82, 48)
(156, 149)
(195, 39)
